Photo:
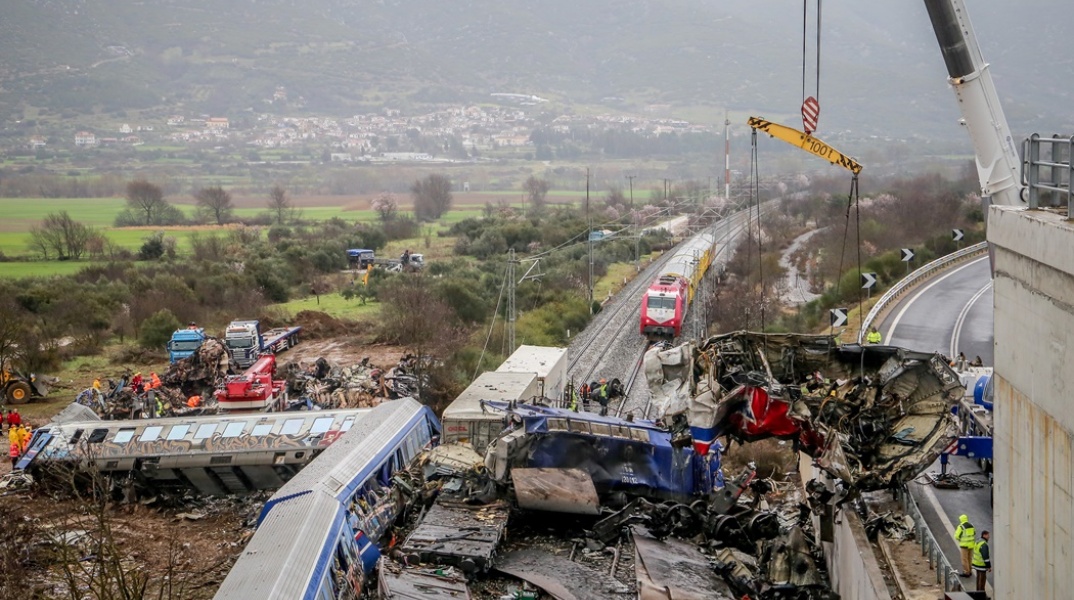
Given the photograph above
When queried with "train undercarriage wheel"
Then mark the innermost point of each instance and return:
(18, 392)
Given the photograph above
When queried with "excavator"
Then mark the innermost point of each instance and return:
(18, 389)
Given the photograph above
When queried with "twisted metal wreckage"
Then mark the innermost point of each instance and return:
(869, 417)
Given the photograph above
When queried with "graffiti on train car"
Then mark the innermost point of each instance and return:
(211, 445)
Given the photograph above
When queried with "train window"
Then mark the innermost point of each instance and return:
(291, 426)
(204, 431)
(77, 436)
(347, 423)
(233, 429)
(261, 429)
(662, 302)
(150, 433)
(97, 436)
(123, 436)
(321, 425)
(178, 432)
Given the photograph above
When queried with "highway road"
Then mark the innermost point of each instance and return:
(948, 314)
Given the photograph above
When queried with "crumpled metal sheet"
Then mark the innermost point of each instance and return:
(561, 578)
(871, 416)
(556, 490)
(396, 582)
(674, 570)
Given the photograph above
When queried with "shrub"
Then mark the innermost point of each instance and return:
(157, 329)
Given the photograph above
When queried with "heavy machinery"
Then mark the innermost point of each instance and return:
(247, 342)
(185, 342)
(255, 389)
(998, 164)
(17, 388)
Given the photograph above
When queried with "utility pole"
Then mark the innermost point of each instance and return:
(726, 157)
(511, 316)
(637, 229)
(589, 232)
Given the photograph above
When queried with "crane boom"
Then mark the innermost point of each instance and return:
(998, 163)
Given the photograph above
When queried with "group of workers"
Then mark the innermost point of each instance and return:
(975, 553)
(18, 434)
(599, 391)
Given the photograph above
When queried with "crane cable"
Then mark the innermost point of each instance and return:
(852, 202)
(805, 52)
(755, 200)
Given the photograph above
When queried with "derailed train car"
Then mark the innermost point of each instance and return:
(623, 459)
(217, 454)
(872, 417)
(317, 536)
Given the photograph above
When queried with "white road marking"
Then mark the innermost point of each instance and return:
(957, 333)
(891, 330)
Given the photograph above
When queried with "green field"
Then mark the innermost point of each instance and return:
(41, 268)
(333, 304)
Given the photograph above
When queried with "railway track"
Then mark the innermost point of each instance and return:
(613, 348)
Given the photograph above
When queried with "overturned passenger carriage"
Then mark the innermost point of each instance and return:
(217, 454)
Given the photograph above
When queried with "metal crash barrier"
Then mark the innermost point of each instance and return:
(922, 273)
(946, 575)
(1048, 179)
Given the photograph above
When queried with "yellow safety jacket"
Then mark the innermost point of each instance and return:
(965, 535)
(873, 337)
(979, 559)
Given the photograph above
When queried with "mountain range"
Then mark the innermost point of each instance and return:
(881, 73)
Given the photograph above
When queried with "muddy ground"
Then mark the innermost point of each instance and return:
(191, 542)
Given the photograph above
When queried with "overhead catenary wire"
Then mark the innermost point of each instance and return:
(495, 313)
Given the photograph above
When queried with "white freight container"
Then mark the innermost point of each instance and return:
(466, 421)
(549, 363)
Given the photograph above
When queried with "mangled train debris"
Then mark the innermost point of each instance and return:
(872, 417)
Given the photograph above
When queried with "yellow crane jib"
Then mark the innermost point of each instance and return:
(805, 142)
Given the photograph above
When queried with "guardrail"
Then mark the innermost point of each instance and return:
(923, 272)
(946, 575)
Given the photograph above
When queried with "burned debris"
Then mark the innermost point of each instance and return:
(871, 417)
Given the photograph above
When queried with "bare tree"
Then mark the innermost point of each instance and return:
(61, 235)
(432, 196)
(146, 198)
(536, 189)
(415, 316)
(280, 205)
(216, 202)
(386, 206)
(12, 323)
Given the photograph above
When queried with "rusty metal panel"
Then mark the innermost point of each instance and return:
(674, 570)
(399, 583)
(556, 490)
(561, 578)
(458, 534)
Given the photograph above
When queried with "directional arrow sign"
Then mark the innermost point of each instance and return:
(957, 235)
(839, 317)
(868, 280)
(907, 255)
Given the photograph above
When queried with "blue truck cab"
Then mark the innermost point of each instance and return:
(185, 342)
(360, 258)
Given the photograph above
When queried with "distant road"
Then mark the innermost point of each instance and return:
(949, 313)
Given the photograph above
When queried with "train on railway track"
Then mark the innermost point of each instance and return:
(664, 304)
(317, 536)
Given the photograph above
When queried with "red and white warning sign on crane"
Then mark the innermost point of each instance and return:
(810, 112)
